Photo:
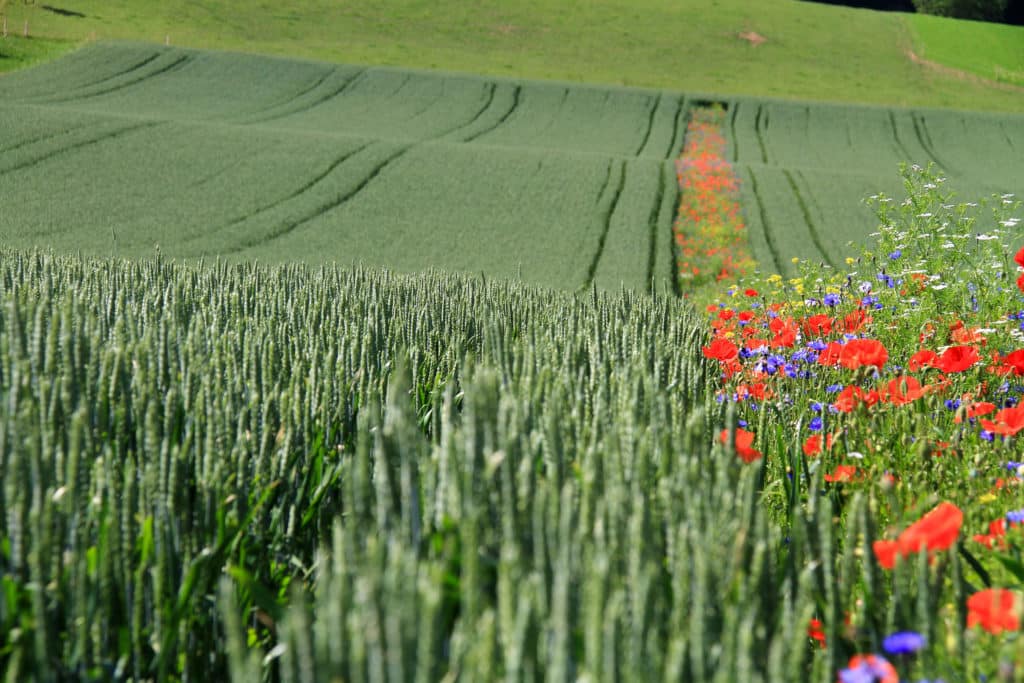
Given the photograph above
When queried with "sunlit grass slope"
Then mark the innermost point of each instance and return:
(811, 51)
(992, 51)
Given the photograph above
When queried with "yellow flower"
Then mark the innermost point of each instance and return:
(987, 498)
(850, 260)
(795, 259)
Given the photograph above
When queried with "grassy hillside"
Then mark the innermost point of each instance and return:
(992, 51)
(810, 51)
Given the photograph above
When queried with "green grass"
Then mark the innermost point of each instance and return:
(812, 51)
(19, 53)
(133, 149)
(992, 51)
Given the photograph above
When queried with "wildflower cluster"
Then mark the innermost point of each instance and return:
(709, 231)
(899, 376)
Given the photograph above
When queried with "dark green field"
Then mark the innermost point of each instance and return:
(128, 150)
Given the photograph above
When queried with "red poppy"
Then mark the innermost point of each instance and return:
(721, 349)
(815, 632)
(1008, 421)
(975, 410)
(858, 352)
(925, 358)
(750, 292)
(852, 396)
(856, 320)
(812, 446)
(1019, 258)
(937, 530)
(830, 354)
(965, 335)
(903, 390)
(957, 359)
(1020, 283)
(744, 444)
(996, 532)
(1014, 361)
(993, 609)
(785, 338)
(818, 325)
(842, 473)
(758, 391)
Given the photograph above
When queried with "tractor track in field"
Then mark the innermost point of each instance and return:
(516, 94)
(1006, 136)
(291, 226)
(608, 213)
(812, 226)
(199, 182)
(135, 67)
(309, 185)
(320, 99)
(79, 145)
(732, 133)
(650, 124)
(925, 140)
(44, 138)
(176, 65)
(652, 228)
(765, 225)
(901, 149)
(758, 132)
(676, 143)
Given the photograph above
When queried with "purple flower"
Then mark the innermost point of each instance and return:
(1015, 516)
(895, 255)
(831, 300)
(815, 424)
(903, 643)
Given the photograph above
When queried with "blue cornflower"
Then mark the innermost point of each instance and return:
(832, 299)
(834, 388)
(790, 370)
(1012, 465)
(903, 643)
(895, 254)
(869, 300)
(987, 435)
(1015, 516)
(816, 406)
(815, 424)
(742, 423)
(952, 403)
(817, 345)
